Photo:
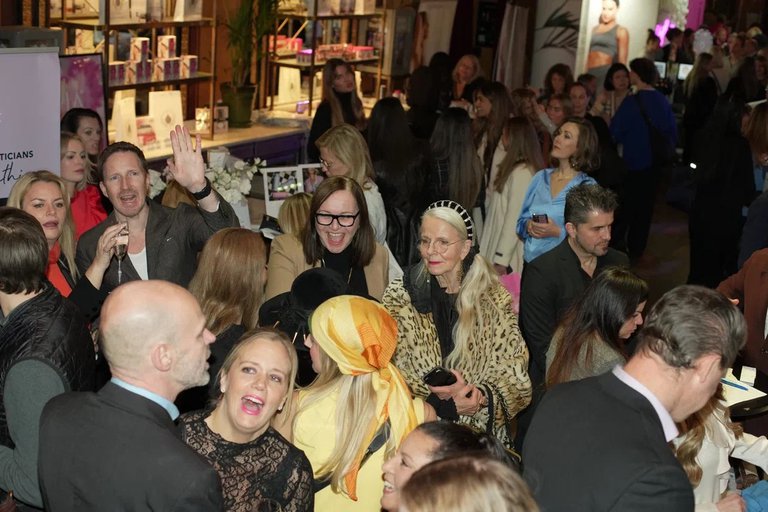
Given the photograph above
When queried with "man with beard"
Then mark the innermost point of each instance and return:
(162, 242)
(118, 449)
(551, 282)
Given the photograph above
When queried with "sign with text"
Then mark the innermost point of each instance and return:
(29, 113)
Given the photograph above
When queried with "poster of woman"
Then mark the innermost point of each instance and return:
(609, 42)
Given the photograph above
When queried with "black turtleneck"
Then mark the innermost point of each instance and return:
(342, 263)
(323, 121)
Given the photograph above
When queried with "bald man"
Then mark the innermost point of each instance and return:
(118, 449)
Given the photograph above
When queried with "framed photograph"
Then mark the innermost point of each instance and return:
(279, 184)
(312, 175)
(82, 85)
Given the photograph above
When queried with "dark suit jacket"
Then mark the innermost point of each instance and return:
(598, 445)
(550, 284)
(115, 450)
(174, 236)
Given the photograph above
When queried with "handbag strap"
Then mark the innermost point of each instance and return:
(377, 442)
(643, 112)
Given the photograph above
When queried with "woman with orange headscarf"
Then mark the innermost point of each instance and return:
(358, 410)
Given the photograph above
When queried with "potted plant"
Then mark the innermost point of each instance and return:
(245, 28)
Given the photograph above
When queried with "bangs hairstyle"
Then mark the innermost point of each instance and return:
(587, 156)
(293, 215)
(610, 300)
(66, 137)
(229, 280)
(523, 149)
(70, 122)
(337, 115)
(615, 68)
(119, 147)
(363, 243)
(349, 146)
(562, 70)
(23, 252)
(67, 240)
(269, 334)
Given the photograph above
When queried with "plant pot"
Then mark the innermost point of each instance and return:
(240, 103)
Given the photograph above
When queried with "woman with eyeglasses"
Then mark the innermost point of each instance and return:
(452, 312)
(338, 236)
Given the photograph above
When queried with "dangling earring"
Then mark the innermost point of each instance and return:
(572, 162)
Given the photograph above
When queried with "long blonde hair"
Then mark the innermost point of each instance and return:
(67, 238)
(698, 73)
(355, 412)
(229, 281)
(694, 429)
(88, 177)
(477, 285)
(349, 146)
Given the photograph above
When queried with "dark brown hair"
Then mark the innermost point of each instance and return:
(23, 252)
(118, 147)
(587, 156)
(363, 242)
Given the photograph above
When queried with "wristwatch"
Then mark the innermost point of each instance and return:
(203, 193)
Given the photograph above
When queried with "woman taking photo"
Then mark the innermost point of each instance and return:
(453, 313)
(433, 441)
(339, 236)
(340, 104)
(359, 408)
(615, 90)
(542, 218)
(258, 468)
(44, 195)
(343, 152)
(591, 337)
(523, 157)
(86, 206)
(229, 285)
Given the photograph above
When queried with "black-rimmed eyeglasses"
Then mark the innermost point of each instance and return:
(345, 221)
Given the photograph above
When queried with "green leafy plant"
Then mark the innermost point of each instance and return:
(564, 29)
(246, 28)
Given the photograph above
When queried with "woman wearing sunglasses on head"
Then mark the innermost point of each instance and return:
(338, 236)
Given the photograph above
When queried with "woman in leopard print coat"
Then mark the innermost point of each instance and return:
(451, 311)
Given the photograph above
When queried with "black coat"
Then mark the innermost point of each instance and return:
(116, 450)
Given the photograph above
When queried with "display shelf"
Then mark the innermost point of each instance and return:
(201, 76)
(293, 63)
(312, 24)
(94, 24)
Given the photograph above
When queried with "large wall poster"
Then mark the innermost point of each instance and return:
(432, 30)
(613, 31)
(29, 120)
(82, 85)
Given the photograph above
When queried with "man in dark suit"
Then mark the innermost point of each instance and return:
(118, 449)
(163, 243)
(554, 280)
(600, 444)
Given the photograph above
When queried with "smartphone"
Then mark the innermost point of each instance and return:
(540, 218)
(439, 376)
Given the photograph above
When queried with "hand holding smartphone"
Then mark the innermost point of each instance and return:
(540, 218)
(439, 376)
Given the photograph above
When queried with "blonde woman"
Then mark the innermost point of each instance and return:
(44, 195)
(340, 103)
(358, 410)
(708, 438)
(467, 75)
(86, 207)
(452, 312)
(523, 158)
(294, 213)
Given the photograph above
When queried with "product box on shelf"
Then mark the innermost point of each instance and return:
(188, 66)
(358, 52)
(117, 72)
(84, 40)
(330, 51)
(305, 57)
(175, 68)
(162, 69)
(166, 47)
(365, 6)
(139, 49)
(285, 45)
(119, 11)
(220, 118)
(138, 71)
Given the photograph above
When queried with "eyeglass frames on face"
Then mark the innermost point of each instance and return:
(440, 246)
(326, 164)
(345, 221)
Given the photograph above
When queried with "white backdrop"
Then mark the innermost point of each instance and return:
(29, 113)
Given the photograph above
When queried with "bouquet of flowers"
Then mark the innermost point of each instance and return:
(233, 180)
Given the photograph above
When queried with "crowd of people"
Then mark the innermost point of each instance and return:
(377, 354)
